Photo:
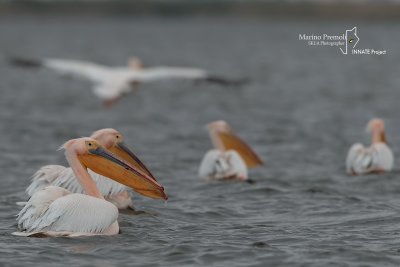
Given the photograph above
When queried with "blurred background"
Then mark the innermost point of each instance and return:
(302, 109)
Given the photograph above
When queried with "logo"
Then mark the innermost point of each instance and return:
(347, 42)
(351, 40)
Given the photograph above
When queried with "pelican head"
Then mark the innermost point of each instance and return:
(377, 128)
(376, 125)
(220, 126)
(108, 137)
(135, 63)
(113, 140)
(225, 139)
(92, 155)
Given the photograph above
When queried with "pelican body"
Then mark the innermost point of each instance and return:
(112, 191)
(55, 211)
(376, 158)
(230, 157)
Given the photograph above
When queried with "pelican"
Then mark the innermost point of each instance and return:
(230, 157)
(55, 211)
(112, 191)
(110, 83)
(376, 158)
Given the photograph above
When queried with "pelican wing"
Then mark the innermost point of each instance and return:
(161, 73)
(106, 186)
(210, 163)
(236, 164)
(383, 156)
(54, 209)
(64, 177)
(82, 69)
(361, 160)
(222, 165)
(354, 151)
(45, 176)
(232, 142)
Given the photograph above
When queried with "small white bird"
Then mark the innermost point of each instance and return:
(230, 157)
(55, 211)
(113, 82)
(112, 191)
(373, 159)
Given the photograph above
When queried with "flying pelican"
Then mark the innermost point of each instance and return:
(112, 191)
(113, 82)
(54, 211)
(230, 157)
(373, 159)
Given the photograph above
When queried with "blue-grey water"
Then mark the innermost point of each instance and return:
(302, 110)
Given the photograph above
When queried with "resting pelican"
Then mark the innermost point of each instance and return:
(55, 211)
(112, 191)
(230, 157)
(376, 158)
(112, 82)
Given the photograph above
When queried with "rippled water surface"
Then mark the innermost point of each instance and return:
(302, 110)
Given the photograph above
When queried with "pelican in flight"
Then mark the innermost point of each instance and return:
(110, 83)
(230, 157)
(376, 158)
(55, 211)
(112, 191)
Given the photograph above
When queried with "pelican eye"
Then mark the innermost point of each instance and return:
(117, 136)
(90, 144)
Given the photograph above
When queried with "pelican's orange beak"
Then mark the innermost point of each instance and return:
(105, 163)
(230, 141)
(122, 151)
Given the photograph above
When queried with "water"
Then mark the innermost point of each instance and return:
(304, 107)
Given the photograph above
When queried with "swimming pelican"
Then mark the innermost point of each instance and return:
(373, 159)
(230, 157)
(113, 82)
(55, 211)
(112, 191)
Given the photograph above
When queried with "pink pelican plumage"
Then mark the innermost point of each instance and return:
(55, 211)
(112, 191)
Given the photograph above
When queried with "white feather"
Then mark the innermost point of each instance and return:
(219, 165)
(65, 178)
(361, 160)
(82, 69)
(112, 82)
(56, 210)
(44, 177)
(106, 186)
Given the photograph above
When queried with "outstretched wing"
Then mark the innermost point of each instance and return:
(82, 69)
(164, 73)
(54, 209)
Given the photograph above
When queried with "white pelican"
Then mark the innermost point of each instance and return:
(230, 157)
(112, 82)
(112, 191)
(55, 211)
(373, 159)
